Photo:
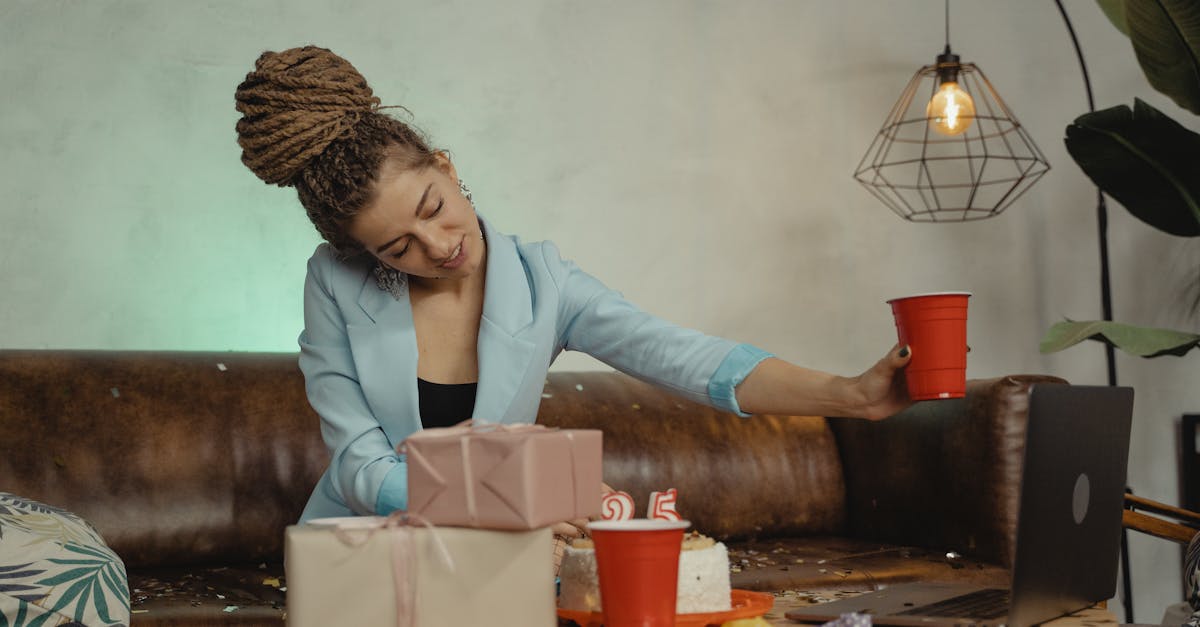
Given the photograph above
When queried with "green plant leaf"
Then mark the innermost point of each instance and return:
(67, 575)
(77, 590)
(1166, 39)
(115, 580)
(1145, 160)
(1140, 341)
(100, 603)
(41, 620)
(1114, 10)
(104, 553)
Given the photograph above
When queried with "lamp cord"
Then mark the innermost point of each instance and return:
(1105, 303)
(947, 24)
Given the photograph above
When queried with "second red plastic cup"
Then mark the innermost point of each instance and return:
(637, 562)
(934, 327)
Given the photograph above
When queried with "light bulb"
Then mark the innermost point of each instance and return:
(951, 109)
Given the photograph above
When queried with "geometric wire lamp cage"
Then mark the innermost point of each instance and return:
(957, 154)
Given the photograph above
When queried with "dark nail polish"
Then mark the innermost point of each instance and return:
(904, 352)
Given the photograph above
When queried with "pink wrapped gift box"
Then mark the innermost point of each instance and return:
(503, 477)
(366, 572)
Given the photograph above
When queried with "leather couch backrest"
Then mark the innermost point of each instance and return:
(175, 458)
(736, 477)
(205, 457)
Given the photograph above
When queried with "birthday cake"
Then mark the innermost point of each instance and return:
(703, 577)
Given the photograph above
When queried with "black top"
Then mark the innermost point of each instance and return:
(445, 404)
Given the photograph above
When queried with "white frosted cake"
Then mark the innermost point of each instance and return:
(703, 577)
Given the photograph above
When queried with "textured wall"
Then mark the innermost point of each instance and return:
(695, 155)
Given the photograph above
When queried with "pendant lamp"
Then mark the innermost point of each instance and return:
(950, 150)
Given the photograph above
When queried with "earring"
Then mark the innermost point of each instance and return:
(462, 187)
(390, 280)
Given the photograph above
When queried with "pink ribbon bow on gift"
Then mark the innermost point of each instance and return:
(404, 561)
(467, 428)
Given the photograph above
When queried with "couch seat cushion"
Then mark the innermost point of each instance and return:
(245, 594)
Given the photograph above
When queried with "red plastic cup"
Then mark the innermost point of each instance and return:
(637, 562)
(934, 327)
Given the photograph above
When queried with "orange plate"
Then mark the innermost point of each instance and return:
(746, 604)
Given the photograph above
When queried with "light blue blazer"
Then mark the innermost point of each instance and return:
(358, 352)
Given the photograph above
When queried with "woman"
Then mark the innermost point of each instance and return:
(418, 313)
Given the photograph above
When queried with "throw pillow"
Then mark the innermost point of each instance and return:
(1191, 579)
(55, 569)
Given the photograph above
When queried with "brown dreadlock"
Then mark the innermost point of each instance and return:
(310, 121)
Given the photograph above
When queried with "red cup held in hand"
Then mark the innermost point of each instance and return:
(637, 562)
(934, 327)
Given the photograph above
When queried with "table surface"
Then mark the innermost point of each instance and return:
(1091, 617)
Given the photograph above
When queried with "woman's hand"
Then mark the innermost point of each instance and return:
(564, 532)
(568, 530)
(778, 387)
(882, 388)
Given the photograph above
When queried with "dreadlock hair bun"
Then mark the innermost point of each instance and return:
(293, 105)
(310, 121)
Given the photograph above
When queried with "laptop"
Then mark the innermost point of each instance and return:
(1068, 524)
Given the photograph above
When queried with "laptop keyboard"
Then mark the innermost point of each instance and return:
(990, 603)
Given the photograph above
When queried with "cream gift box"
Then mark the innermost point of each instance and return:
(366, 573)
(503, 476)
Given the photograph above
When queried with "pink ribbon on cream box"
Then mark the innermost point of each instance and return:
(399, 570)
(503, 476)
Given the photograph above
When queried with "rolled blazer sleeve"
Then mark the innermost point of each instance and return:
(365, 471)
(601, 322)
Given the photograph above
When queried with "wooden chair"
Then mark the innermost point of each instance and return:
(1181, 532)
(1184, 529)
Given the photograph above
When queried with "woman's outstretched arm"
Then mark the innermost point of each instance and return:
(779, 387)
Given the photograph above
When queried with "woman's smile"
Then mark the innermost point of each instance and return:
(457, 258)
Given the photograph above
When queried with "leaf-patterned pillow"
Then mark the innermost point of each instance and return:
(55, 569)
(1191, 579)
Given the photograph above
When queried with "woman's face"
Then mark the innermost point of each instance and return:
(420, 223)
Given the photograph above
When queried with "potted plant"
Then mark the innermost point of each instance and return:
(1144, 159)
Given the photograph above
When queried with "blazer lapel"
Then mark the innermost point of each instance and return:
(385, 354)
(507, 311)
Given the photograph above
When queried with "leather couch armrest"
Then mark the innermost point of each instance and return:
(941, 474)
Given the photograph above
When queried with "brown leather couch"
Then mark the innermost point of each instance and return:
(192, 464)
